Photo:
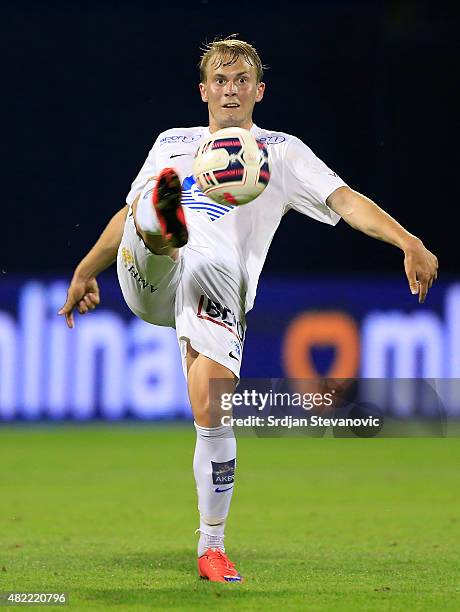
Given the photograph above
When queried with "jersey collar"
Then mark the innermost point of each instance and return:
(254, 129)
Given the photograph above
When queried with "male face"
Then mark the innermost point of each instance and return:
(231, 93)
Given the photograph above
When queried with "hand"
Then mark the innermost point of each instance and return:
(82, 295)
(421, 268)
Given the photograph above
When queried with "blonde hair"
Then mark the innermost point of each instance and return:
(227, 51)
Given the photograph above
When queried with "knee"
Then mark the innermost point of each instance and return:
(202, 415)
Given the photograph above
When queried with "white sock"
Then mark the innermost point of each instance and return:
(146, 217)
(214, 467)
(209, 541)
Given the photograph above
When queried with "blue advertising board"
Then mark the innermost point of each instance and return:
(113, 365)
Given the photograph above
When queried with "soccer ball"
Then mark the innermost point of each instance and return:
(232, 167)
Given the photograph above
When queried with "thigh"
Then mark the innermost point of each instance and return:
(148, 282)
(210, 319)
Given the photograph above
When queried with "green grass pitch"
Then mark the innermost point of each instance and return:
(108, 513)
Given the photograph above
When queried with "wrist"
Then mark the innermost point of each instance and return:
(83, 273)
(409, 243)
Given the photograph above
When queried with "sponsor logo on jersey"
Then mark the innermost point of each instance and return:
(128, 261)
(223, 473)
(235, 353)
(141, 281)
(269, 140)
(173, 139)
(211, 310)
(127, 256)
(195, 199)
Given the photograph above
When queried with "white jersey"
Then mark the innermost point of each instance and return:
(234, 240)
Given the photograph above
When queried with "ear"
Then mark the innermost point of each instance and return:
(203, 92)
(260, 91)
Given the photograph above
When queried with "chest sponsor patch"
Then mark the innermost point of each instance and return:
(195, 199)
(271, 139)
(185, 138)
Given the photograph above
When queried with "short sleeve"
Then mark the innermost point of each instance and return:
(148, 170)
(309, 182)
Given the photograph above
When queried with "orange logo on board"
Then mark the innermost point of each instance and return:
(321, 329)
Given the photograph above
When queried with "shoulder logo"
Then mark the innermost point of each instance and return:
(269, 140)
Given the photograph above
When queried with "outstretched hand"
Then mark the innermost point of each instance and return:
(421, 268)
(82, 295)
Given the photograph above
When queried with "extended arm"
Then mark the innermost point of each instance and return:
(83, 292)
(362, 214)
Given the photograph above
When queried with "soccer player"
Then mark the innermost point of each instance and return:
(185, 262)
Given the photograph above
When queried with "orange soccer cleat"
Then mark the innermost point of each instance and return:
(214, 565)
(167, 202)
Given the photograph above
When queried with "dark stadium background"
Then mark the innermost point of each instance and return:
(368, 85)
(106, 510)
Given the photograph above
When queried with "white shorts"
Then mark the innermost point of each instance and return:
(202, 302)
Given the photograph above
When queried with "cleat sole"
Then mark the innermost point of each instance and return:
(167, 202)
